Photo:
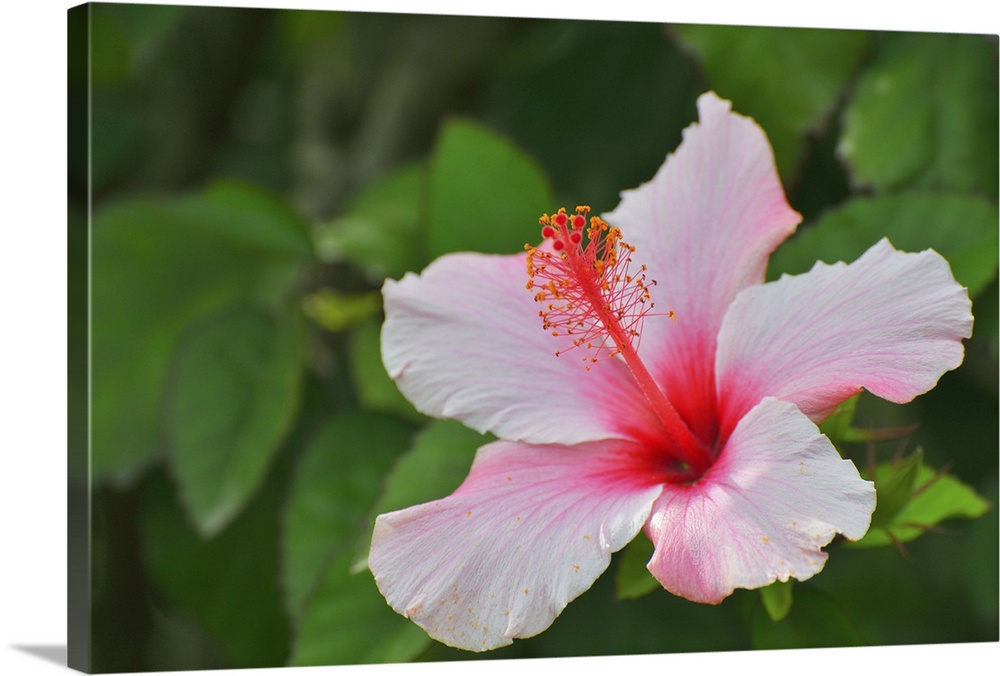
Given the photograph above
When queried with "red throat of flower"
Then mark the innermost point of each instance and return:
(589, 291)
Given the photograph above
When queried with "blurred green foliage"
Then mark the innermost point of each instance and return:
(962, 228)
(789, 78)
(923, 116)
(257, 174)
(332, 493)
(914, 499)
(777, 601)
(159, 264)
(245, 367)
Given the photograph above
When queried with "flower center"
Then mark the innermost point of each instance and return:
(589, 291)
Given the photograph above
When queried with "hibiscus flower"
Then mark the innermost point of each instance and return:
(656, 385)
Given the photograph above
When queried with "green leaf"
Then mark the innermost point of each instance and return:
(894, 488)
(963, 229)
(777, 599)
(933, 498)
(484, 194)
(438, 462)
(338, 479)
(157, 265)
(632, 579)
(380, 231)
(227, 585)
(479, 193)
(252, 217)
(231, 401)
(375, 389)
(815, 621)
(837, 426)
(348, 622)
(924, 115)
(787, 79)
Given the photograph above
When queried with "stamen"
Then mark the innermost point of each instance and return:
(567, 282)
(591, 293)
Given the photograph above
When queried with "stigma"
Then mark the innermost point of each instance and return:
(583, 277)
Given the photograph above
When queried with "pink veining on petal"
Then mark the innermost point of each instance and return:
(890, 322)
(529, 530)
(705, 226)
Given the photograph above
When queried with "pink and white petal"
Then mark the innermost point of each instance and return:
(705, 226)
(778, 493)
(528, 531)
(891, 322)
(464, 340)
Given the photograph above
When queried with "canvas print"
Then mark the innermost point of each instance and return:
(421, 338)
